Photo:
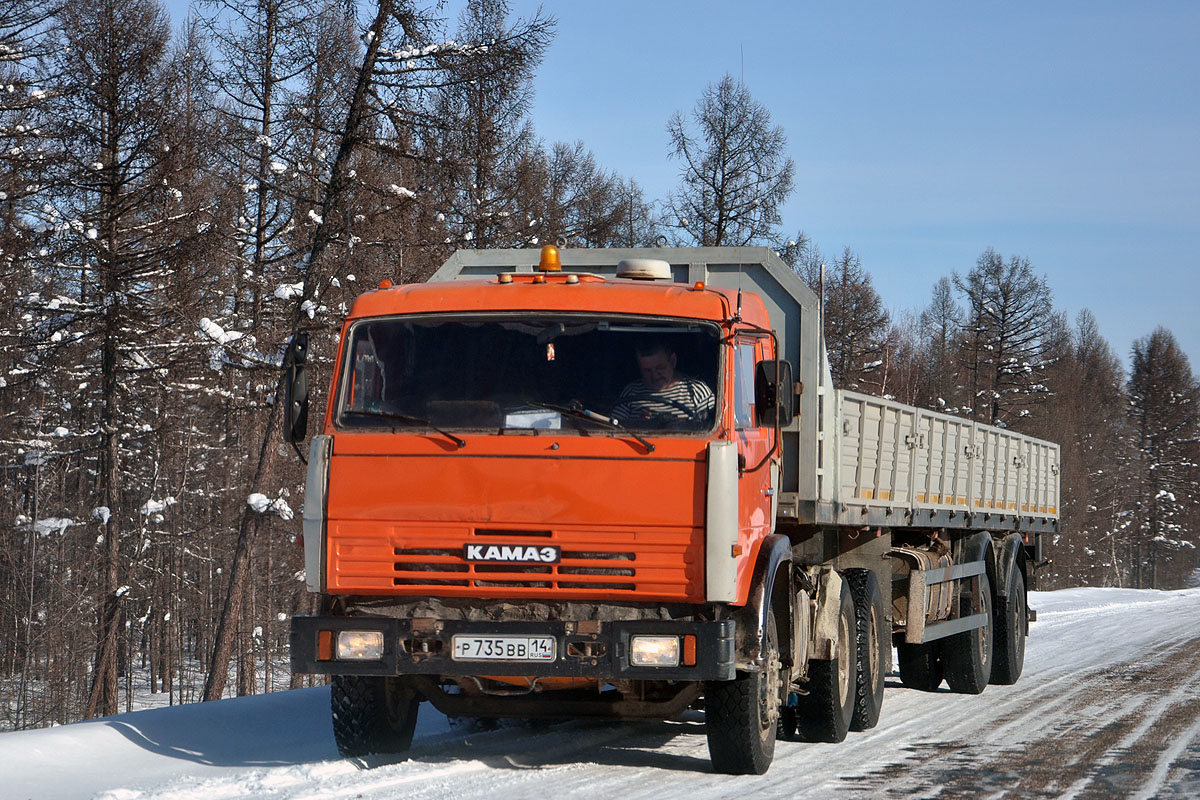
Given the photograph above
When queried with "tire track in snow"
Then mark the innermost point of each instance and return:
(1117, 729)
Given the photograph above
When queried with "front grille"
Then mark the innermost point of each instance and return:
(413, 565)
(658, 564)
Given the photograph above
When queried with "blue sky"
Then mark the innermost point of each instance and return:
(925, 132)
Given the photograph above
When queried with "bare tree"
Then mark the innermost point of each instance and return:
(1164, 408)
(332, 207)
(940, 332)
(478, 130)
(804, 257)
(111, 198)
(734, 174)
(856, 323)
(1009, 312)
(571, 199)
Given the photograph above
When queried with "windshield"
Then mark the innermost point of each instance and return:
(542, 373)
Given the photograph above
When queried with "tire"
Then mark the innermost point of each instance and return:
(824, 714)
(920, 666)
(372, 715)
(1009, 643)
(741, 716)
(789, 724)
(872, 638)
(968, 656)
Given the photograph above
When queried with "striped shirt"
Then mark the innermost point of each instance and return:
(686, 400)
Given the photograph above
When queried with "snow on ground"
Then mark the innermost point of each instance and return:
(1108, 706)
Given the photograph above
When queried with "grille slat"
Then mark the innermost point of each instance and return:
(582, 569)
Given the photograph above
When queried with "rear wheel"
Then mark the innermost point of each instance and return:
(920, 666)
(824, 713)
(741, 716)
(372, 714)
(871, 639)
(968, 656)
(1009, 643)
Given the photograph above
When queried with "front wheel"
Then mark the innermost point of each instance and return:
(741, 716)
(372, 714)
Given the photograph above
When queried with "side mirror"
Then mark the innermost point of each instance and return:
(295, 386)
(773, 390)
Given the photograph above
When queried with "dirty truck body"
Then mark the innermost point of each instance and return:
(494, 528)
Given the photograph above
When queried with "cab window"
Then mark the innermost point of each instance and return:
(743, 386)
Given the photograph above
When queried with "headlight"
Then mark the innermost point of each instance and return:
(654, 651)
(360, 645)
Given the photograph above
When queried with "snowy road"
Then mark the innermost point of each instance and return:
(1108, 706)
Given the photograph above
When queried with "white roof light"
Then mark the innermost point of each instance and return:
(644, 269)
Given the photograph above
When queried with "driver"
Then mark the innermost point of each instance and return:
(663, 395)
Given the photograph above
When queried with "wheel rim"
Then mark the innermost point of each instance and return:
(770, 687)
(873, 645)
(845, 642)
(982, 639)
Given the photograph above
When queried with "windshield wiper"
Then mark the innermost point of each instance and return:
(576, 409)
(407, 419)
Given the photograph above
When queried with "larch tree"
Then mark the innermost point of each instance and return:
(940, 330)
(1164, 412)
(575, 201)
(110, 202)
(1008, 316)
(734, 170)
(477, 128)
(856, 323)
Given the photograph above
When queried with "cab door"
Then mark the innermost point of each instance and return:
(754, 442)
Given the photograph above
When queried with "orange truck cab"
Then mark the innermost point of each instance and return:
(557, 492)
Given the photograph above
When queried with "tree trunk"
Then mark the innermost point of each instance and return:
(218, 670)
(102, 699)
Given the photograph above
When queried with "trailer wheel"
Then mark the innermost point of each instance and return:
(824, 713)
(871, 638)
(372, 714)
(741, 716)
(788, 724)
(920, 666)
(968, 656)
(1009, 643)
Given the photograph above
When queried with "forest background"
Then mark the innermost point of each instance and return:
(175, 205)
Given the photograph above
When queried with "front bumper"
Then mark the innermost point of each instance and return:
(586, 649)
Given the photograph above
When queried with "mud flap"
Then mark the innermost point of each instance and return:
(825, 629)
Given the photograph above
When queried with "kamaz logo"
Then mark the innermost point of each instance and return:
(513, 552)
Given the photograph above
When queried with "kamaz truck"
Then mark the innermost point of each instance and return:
(620, 483)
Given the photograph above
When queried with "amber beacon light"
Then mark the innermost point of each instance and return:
(549, 261)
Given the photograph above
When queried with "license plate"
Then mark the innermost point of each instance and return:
(502, 648)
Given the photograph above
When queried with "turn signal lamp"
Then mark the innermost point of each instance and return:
(654, 651)
(689, 650)
(385, 284)
(550, 261)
